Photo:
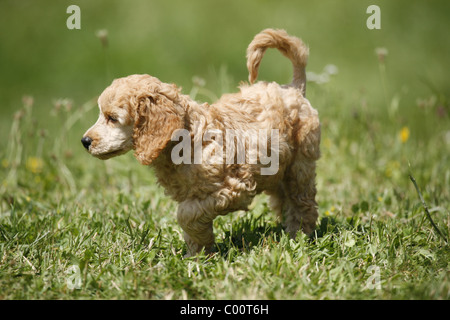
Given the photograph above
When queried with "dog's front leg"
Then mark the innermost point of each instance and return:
(195, 218)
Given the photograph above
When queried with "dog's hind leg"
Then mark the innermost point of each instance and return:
(299, 205)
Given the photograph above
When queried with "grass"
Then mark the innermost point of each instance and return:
(67, 217)
(74, 227)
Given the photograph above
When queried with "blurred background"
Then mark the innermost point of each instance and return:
(365, 83)
(176, 40)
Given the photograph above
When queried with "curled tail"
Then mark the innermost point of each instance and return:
(291, 47)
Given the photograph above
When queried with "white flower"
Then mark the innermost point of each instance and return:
(381, 53)
(318, 78)
(331, 69)
(324, 77)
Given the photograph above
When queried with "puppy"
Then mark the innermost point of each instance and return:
(213, 159)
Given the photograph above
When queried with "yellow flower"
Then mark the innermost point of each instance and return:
(404, 134)
(34, 164)
(330, 212)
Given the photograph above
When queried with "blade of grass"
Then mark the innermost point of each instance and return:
(425, 207)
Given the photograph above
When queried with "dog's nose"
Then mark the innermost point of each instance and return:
(86, 141)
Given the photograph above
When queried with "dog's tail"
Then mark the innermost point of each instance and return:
(291, 47)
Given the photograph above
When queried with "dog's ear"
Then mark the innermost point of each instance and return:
(156, 118)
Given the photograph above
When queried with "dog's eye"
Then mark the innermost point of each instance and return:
(112, 119)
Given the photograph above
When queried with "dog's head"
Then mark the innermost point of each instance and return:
(136, 112)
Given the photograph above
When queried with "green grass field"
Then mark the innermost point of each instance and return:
(74, 227)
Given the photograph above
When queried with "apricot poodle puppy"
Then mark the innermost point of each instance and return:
(194, 156)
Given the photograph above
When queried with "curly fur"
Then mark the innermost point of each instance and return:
(143, 113)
